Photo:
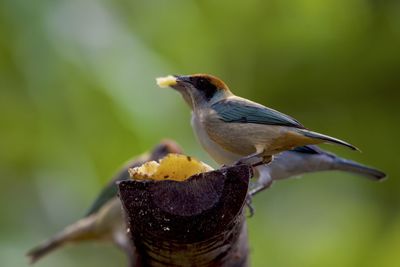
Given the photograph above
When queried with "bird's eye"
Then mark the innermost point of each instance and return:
(202, 81)
(201, 84)
(205, 86)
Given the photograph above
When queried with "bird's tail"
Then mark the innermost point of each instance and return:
(81, 230)
(327, 139)
(357, 168)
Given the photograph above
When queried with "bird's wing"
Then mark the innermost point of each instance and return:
(242, 111)
(310, 149)
(110, 191)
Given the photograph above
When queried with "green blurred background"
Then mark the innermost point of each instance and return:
(78, 98)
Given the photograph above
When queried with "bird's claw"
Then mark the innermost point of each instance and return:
(247, 160)
(243, 162)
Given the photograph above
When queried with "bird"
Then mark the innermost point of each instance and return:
(104, 220)
(235, 130)
(106, 209)
(308, 159)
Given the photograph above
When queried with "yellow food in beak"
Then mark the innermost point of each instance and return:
(166, 81)
(175, 167)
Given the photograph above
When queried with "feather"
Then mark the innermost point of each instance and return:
(243, 111)
(307, 150)
(326, 139)
(110, 191)
(355, 167)
(312, 150)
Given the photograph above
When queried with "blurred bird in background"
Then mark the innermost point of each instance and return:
(104, 220)
(233, 129)
(307, 159)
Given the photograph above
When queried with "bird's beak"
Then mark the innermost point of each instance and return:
(167, 81)
(180, 83)
(172, 81)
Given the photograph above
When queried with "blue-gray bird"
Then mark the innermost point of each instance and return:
(104, 220)
(308, 159)
(233, 129)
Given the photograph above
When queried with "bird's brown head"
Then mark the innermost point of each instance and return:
(196, 89)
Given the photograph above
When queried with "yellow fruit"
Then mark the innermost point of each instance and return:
(175, 167)
(166, 81)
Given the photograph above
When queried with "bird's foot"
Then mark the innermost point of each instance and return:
(246, 161)
(249, 159)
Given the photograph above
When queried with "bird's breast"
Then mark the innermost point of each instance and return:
(216, 151)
